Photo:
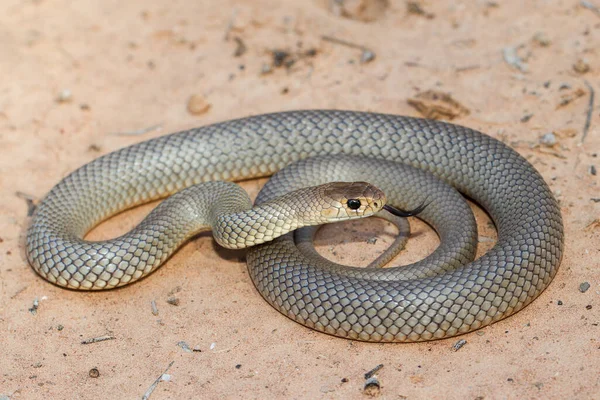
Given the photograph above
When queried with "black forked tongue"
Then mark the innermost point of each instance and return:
(401, 213)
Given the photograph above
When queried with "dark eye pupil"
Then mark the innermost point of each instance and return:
(353, 204)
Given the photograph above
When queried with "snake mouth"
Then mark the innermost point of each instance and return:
(401, 213)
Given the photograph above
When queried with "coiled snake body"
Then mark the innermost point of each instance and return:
(426, 302)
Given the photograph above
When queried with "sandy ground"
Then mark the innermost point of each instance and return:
(135, 64)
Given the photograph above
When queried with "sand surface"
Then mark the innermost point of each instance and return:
(75, 74)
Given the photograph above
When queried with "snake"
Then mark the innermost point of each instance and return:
(442, 296)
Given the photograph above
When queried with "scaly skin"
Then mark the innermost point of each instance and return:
(333, 300)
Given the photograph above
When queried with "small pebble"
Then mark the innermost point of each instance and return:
(583, 287)
(581, 67)
(588, 307)
(64, 96)
(367, 56)
(344, 380)
(526, 117)
(541, 39)
(266, 69)
(593, 170)
(372, 240)
(549, 139)
(34, 307)
(94, 373)
(198, 105)
(60, 327)
(560, 303)
(184, 346)
(174, 301)
(458, 345)
(238, 366)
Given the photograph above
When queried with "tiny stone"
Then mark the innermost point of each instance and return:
(581, 67)
(541, 39)
(560, 303)
(588, 307)
(174, 301)
(266, 69)
(64, 96)
(37, 365)
(372, 240)
(198, 105)
(344, 380)
(549, 139)
(510, 380)
(197, 349)
(184, 346)
(94, 373)
(60, 327)
(526, 117)
(367, 56)
(593, 170)
(457, 346)
(583, 287)
(238, 366)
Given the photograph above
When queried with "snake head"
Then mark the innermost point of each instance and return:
(346, 200)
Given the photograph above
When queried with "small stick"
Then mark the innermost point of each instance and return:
(590, 110)
(139, 131)
(146, 395)
(590, 6)
(367, 54)
(230, 25)
(98, 339)
(372, 372)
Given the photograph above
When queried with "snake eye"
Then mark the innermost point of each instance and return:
(353, 204)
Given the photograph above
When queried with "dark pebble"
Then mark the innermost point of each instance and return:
(583, 287)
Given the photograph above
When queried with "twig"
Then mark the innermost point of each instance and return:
(230, 25)
(372, 372)
(590, 6)
(146, 395)
(97, 339)
(367, 54)
(139, 131)
(18, 292)
(590, 110)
